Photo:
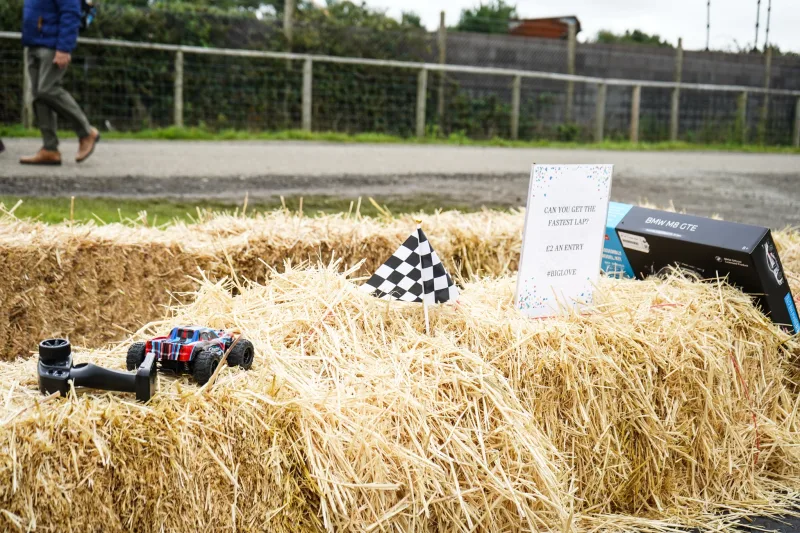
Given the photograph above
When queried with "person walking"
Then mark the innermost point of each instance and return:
(50, 34)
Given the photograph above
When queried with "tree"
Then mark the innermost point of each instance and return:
(409, 18)
(492, 17)
(249, 5)
(356, 15)
(127, 3)
(631, 37)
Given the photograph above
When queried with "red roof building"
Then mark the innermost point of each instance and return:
(547, 28)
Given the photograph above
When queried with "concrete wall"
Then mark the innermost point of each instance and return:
(619, 61)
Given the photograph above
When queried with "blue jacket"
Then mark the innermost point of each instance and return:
(51, 24)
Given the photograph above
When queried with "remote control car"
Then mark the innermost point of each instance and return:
(192, 349)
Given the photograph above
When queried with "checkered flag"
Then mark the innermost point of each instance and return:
(413, 273)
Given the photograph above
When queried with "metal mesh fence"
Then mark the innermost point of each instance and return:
(241, 93)
(357, 99)
(478, 107)
(123, 91)
(780, 119)
(618, 113)
(10, 82)
(655, 115)
(542, 105)
(133, 89)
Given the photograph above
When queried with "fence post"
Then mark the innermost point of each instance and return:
(422, 92)
(741, 117)
(308, 78)
(600, 113)
(796, 135)
(636, 103)
(178, 119)
(288, 21)
(515, 96)
(27, 92)
(442, 61)
(676, 94)
(571, 42)
(762, 123)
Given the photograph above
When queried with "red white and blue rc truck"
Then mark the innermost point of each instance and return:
(194, 350)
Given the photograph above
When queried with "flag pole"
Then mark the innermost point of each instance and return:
(422, 280)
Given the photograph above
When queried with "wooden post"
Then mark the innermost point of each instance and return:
(422, 92)
(636, 103)
(571, 44)
(308, 78)
(27, 91)
(676, 94)
(600, 113)
(741, 117)
(442, 61)
(288, 21)
(762, 123)
(515, 97)
(796, 135)
(288, 34)
(178, 119)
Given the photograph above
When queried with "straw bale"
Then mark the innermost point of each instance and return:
(788, 243)
(93, 283)
(666, 404)
(653, 393)
(406, 434)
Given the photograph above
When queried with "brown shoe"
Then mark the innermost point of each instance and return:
(43, 157)
(86, 145)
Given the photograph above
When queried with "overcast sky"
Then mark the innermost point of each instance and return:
(731, 20)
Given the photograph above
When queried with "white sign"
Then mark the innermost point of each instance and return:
(634, 242)
(562, 245)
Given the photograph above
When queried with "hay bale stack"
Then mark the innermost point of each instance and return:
(788, 243)
(92, 283)
(371, 434)
(653, 394)
(107, 464)
(640, 413)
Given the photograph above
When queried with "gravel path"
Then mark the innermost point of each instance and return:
(755, 188)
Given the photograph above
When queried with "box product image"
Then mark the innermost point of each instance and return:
(641, 242)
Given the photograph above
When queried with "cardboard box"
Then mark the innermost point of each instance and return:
(642, 242)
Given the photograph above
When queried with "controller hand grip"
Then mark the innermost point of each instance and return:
(56, 371)
(96, 377)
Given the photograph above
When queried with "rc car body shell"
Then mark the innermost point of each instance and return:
(185, 342)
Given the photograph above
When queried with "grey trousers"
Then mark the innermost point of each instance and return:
(50, 99)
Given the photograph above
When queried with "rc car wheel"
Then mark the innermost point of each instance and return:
(135, 356)
(205, 364)
(242, 354)
(54, 351)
